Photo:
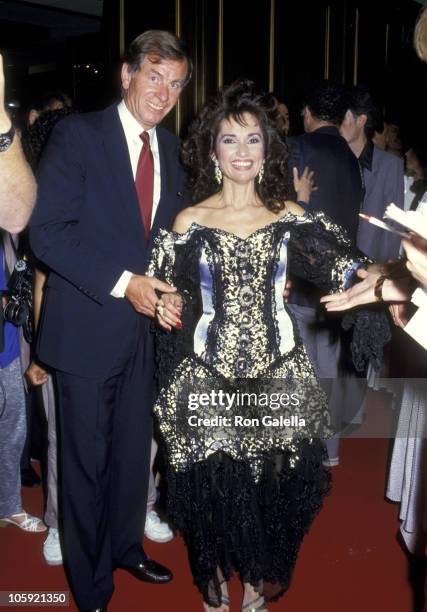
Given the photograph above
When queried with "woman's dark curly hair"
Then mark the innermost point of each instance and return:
(231, 103)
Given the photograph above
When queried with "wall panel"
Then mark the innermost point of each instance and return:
(365, 41)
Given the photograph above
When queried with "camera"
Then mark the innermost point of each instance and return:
(19, 308)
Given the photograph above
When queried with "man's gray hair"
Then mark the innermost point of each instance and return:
(158, 45)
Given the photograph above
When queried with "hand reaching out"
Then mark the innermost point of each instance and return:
(304, 184)
(398, 290)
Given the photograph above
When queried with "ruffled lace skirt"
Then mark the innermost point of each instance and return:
(232, 522)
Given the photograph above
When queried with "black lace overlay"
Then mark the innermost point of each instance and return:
(371, 332)
(232, 524)
(243, 502)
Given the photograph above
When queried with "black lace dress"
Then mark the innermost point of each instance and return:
(243, 497)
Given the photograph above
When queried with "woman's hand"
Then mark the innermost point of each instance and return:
(398, 290)
(168, 311)
(416, 252)
(399, 314)
(304, 184)
(35, 375)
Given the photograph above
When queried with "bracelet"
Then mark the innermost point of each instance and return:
(378, 290)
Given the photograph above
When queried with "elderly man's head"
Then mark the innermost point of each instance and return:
(154, 73)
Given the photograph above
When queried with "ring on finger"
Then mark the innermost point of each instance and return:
(160, 310)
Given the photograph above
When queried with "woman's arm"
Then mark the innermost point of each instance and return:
(397, 290)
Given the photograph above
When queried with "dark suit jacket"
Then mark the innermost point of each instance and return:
(339, 194)
(87, 230)
(336, 174)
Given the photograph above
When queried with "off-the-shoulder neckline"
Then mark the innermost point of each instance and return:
(194, 225)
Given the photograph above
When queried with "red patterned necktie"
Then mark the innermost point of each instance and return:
(144, 183)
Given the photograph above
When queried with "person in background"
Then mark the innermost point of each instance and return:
(416, 175)
(48, 101)
(382, 174)
(17, 197)
(37, 375)
(284, 118)
(339, 193)
(408, 473)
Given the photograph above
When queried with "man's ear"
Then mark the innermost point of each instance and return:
(126, 76)
(361, 120)
(348, 116)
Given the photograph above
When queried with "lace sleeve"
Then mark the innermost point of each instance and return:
(174, 260)
(321, 253)
(162, 259)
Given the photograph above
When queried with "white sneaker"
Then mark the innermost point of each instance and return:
(52, 548)
(157, 530)
(331, 462)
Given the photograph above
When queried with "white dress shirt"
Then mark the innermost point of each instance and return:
(133, 130)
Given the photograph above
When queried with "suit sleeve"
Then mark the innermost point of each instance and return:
(55, 233)
(393, 192)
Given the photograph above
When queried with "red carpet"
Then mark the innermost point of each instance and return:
(351, 560)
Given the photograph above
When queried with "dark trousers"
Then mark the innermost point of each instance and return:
(105, 431)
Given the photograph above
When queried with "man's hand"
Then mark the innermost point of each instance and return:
(141, 293)
(169, 310)
(35, 375)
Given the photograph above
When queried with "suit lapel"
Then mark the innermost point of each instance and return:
(117, 154)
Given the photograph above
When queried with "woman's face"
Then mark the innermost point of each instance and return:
(239, 149)
(413, 166)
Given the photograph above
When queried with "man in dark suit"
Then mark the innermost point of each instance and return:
(107, 182)
(340, 195)
(336, 171)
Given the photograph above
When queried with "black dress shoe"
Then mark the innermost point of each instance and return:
(149, 571)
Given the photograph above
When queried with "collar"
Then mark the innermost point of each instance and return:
(132, 128)
(365, 158)
(327, 129)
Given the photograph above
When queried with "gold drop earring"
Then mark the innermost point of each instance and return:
(217, 172)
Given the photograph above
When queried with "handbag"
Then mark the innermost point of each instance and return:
(19, 307)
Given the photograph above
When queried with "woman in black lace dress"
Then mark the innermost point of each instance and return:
(242, 497)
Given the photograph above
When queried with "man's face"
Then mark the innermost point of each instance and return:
(306, 118)
(284, 114)
(153, 90)
(352, 128)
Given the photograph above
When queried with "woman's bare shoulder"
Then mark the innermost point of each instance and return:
(192, 214)
(293, 208)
